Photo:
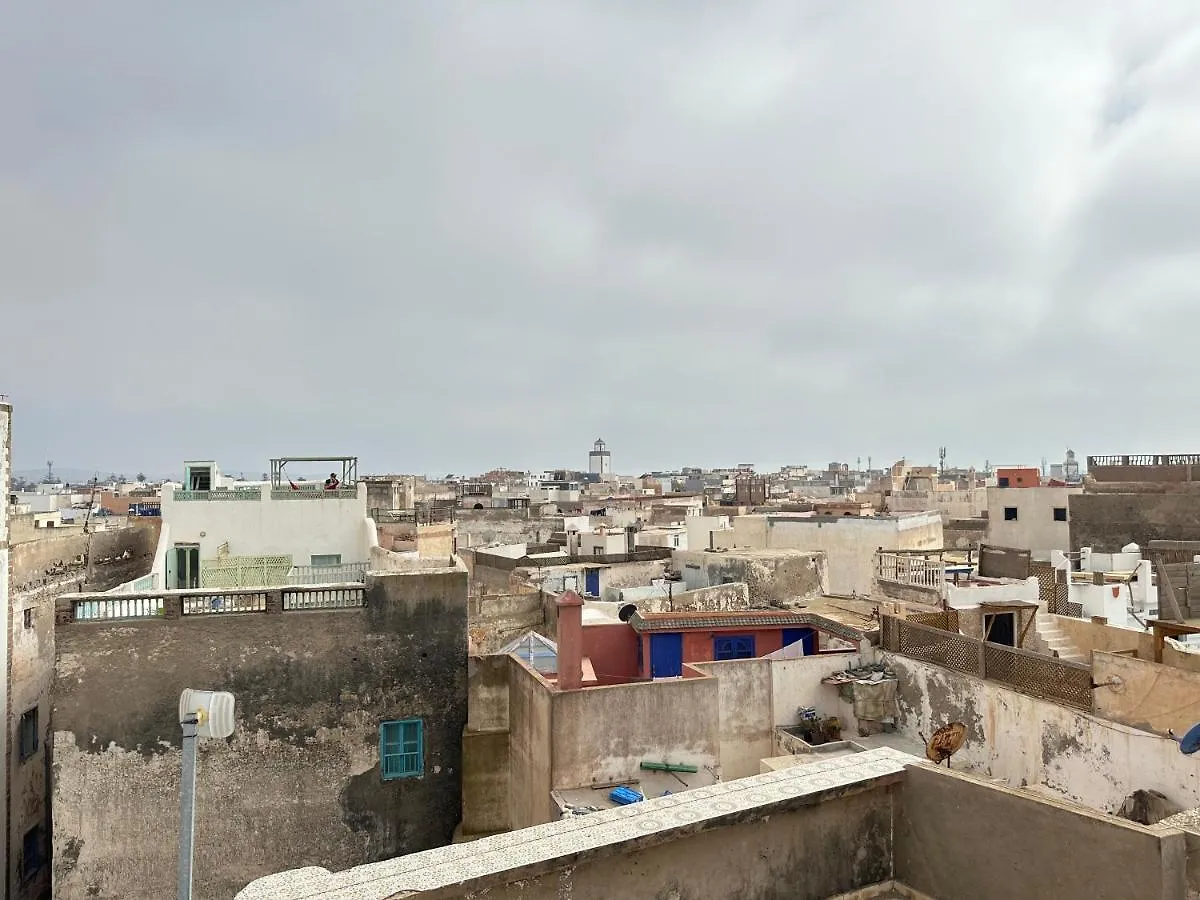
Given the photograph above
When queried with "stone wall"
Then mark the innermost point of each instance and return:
(1107, 522)
(495, 619)
(123, 553)
(299, 783)
(772, 578)
(963, 534)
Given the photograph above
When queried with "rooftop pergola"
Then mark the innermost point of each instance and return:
(348, 465)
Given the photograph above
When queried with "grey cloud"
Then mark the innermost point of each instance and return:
(452, 235)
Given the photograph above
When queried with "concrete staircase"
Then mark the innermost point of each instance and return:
(1057, 641)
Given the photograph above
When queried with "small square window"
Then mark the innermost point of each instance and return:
(1010, 514)
(29, 733)
(1002, 482)
(401, 749)
(1060, 514)
(28, 614)
(31, 852)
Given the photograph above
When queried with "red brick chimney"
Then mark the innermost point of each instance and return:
(570, 641)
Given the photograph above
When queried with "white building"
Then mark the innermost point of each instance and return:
(1030, 518)
(1118, 586)
(600, 460)
(849, 542)
(219, 534)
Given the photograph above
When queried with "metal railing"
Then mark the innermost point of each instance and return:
(328, 574)
(254, 493)
(1046, 677)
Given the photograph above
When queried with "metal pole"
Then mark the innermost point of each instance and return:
(187, 808)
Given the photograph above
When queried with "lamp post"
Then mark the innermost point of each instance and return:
(206, 714)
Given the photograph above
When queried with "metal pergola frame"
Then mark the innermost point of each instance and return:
(349, 464)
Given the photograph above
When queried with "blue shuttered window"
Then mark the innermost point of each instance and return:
(733, 647)
(401, 749)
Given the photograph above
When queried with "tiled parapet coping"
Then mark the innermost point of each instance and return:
(530, 852)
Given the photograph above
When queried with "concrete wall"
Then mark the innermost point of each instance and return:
(746, 721)
(480, 528)
(849, 542)
(1107, 522)
(495, 619)
(612, 650)
(962, 534)
(293, 527)
(299, 782)
(1089, 636)
(801, 852)
(959, 839)
(1035, 529)
(771, 578)
(53, 556)
(1024, 741)
(1148, 695)
(602, 734)
(530, 747)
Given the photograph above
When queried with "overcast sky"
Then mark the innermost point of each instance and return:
(446, 236)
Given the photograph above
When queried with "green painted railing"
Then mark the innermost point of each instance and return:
(314, 493)
(221, 494)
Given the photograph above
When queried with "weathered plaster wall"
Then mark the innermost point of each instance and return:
(529, 751)
(801, 852)
(54, 557)
(495, 619)
(1107, 522)
(1035, 528)
(958, 839)
(299, 782)
(746, 715)
(602, 734)
(771, 579)
(1149, 695)
(849, 542)
(962, 534)
(1024, 741)
(483, 527)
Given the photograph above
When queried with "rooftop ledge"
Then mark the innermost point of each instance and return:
(255, 494)
(529, 852)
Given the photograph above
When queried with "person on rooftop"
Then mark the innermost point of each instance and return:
(332, 483)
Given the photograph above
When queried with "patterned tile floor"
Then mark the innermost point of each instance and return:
(515, 849)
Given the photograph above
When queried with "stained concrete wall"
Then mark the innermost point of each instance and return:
(771, 578)
(530, 747)
(849, 542)
(801, 852)
(482, 527)
(958, 839)
(495, 619)
(1148, 695)
(962, 534)
(602, 734)
(1024, 741)
(1107, 522)
(746, 718)
(52, 557)
(299, 782)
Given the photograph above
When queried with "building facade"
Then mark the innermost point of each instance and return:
(350, 706)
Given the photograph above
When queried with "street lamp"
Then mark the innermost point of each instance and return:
(202, 714)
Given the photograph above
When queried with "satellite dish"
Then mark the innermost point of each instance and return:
(948, 740)
(1190, 742)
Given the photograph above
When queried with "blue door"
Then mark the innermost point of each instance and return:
(666, 655)
(806, 636)
(591, 582)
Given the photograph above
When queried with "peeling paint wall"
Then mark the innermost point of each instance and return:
(1024, 741)
(299, 783)
(771, 579)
